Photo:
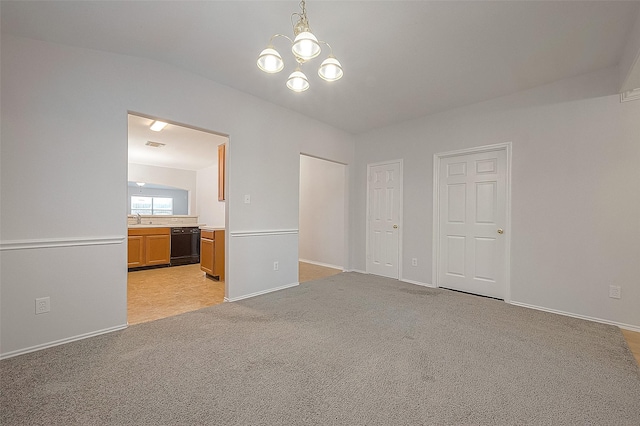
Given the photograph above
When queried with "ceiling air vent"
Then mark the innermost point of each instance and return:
(155, 144)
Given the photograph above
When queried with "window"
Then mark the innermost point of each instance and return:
(151, 205)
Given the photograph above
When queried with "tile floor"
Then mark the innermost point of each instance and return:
(159, 293)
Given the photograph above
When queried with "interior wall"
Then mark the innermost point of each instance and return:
(210, 211)
(322, 206)
(177, 178)
(575, 198)
(64, 121)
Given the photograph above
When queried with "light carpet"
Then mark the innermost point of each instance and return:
(351, 349)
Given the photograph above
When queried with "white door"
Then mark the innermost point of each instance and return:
(472, 214)
(384, 201)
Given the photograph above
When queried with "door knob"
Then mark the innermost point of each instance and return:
(395, 226)
(500, 231)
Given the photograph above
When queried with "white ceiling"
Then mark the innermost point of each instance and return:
(185, 148)
(402, 59)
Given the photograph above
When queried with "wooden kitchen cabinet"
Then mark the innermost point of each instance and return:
(135, 251)
(212, 253)
(206, 251)
(218, 255)
(149, 247)
(158, 249)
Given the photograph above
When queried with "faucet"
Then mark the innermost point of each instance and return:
(138, 219)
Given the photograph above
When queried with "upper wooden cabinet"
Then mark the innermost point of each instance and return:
(149, 247)
(222, 150)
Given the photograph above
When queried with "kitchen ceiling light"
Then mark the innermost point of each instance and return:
(304, 47)
(156, 126)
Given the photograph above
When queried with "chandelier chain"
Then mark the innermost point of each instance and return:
(302, 24)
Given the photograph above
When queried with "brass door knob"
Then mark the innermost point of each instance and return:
(500, 231)
(395, 226)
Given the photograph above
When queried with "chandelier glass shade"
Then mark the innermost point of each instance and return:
(330, 70)
(270, 61)
(305, 46)
(298, 81)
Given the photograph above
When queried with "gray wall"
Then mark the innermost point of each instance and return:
(64, 125)
(575, 197)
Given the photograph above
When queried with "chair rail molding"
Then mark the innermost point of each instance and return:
(262, 233)
(61, 242)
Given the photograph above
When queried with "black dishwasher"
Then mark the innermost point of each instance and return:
(185, 245)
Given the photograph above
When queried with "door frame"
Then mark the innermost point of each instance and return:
(506, 147)
(400, 214)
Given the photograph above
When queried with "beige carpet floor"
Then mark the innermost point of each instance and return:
(350, 349)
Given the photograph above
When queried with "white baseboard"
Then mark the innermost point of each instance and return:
(357, 271)
(584, 317)
(62, 341)
(258, 293)
(418, 283)
(326, 265)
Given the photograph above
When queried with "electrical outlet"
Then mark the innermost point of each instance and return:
(247, 199)
(43, 305)
(414, 262)
(276, 266)
(614, 291)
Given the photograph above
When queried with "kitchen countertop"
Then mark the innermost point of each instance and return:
(211, 228)
(164, 225)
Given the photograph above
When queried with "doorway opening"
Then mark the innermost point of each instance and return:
(173, 191)
(322, 217)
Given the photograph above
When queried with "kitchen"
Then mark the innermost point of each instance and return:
(175, 199)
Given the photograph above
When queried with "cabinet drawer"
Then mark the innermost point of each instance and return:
(206, 234)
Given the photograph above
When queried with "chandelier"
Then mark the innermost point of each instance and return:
(305, 46)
